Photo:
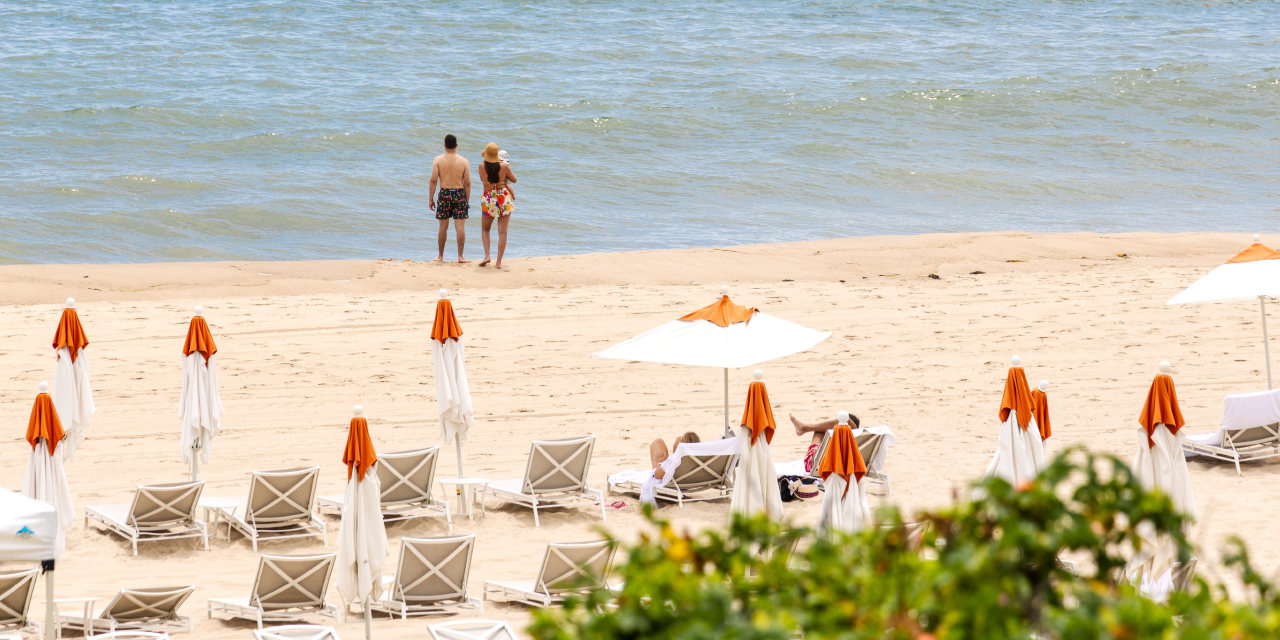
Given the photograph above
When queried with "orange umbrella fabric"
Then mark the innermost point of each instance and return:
(44, 423)
(70, 334)
(758, 414)
(1017, 397)
(722, 313)
(1040, 409)
(1161, 408)
(446, 324)
(843, 457)
(1256, 251)
(359, 454)
(199, 339)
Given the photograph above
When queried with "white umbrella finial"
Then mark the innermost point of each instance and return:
(724, 290)
(199, 311)
(71, 303)
(842, 417)
(757, 375)
(357, 411)
(1165, 368)
(1257, 238)
(444, 294)
(1015, 362)
(44, 387)
(1044, 386)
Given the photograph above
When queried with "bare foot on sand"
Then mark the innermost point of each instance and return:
(498, 265)
(483, 262)
(462, 261)
(797, 424)
(440, 259)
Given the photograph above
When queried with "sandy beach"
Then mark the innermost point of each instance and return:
(301, 342)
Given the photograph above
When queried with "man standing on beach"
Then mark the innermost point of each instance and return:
(453, 173)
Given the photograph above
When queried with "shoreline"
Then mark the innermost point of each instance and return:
(915, 256)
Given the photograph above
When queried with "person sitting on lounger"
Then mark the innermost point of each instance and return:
(819, 430)
(658, 451)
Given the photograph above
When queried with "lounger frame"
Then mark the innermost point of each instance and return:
(157, 512)
(695, 478)
(285, 589)
(296, 632)
(555, 475)
(153, 609)
(473, 630)
(280, 506)
(16, 589)
(1241, 445)
(407, 479)
(564, 570)
(423, 586)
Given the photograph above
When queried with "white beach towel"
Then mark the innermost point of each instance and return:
(722, 447)
(1241, 411)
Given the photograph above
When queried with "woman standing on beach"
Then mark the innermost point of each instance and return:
(496, 202)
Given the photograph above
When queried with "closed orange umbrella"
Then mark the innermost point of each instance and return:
(1040, 409)
(359, 454)
(1019, 453)
(841, 467)
(755, 486)
(44, 479)
(362, 536)
(449, 363)
(200, 404)
(71, 392)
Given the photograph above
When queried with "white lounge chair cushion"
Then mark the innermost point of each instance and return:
(116, 513)
(233, 602)
(335, 500)
(1248, 410)
(519, 586)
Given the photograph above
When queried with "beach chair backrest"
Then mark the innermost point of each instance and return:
(277, 497)
(473, 630)
(570, 567)
(160, 506)
(1183, 574)
(15, 596)
(869, 445)
(1262, 434)
(433, 570)
(288, 582)
(407, 477)
(296, 632)
(822, 451)
(696, 472)
(146, 605)
(558, 466)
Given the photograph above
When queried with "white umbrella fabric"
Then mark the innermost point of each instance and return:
(1252, 273)
(723, 335)
(362, 537)
(71, 392)
(28, 533)
(1020, 452)
(1160, 466)
(449, 360)
(844, 503)
(199, 405)
(755, 482)
(45, 480)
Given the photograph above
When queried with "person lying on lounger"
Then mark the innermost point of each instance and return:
(658, 451)
(819, 430)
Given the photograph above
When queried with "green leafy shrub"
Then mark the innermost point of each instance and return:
(991, 568)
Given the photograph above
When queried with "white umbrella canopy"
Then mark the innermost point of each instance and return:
(1251, 274)
(362, 536)
(29, 532)
(1019, 453)
(449, 361)
(45, 479)
(199, 405)
(723, 335)
(71, 392)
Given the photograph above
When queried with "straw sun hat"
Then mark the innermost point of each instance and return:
(491, 152)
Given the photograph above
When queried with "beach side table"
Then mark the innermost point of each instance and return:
(215, 512)
(467, 489)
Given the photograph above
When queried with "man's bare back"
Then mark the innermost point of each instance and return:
(452, 171)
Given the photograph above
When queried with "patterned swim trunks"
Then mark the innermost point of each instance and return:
(452, 204)
(497, 203)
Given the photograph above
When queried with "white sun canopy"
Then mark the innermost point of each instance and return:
(28, 529)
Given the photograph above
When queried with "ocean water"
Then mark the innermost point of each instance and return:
(141, 130)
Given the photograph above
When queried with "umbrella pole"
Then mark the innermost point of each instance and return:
(727, 431)
(195, 461)
(1266, 344)
(368, 632)
(50, 609)
(458, 444)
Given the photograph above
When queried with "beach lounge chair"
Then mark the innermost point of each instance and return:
(567, 569)
(130, 635)
(431, 577)
(280, 505)
(297, 632)
(158, 512)
(154, 609)
(16, 589)
(556, 474)
(873, 444)
(472, 630)
(695, 477)
(1250, 430)
(285, 589)
(407, 479)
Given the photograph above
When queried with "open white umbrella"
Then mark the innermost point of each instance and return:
(45, 480)
(1252, 273)
(1020, 450)
(199, 406)
(755, 482)
(722, 335)
(449, 360)
(362, 537)
(71, 393)
(28, 533)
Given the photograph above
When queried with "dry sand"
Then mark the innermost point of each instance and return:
(299, 343)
